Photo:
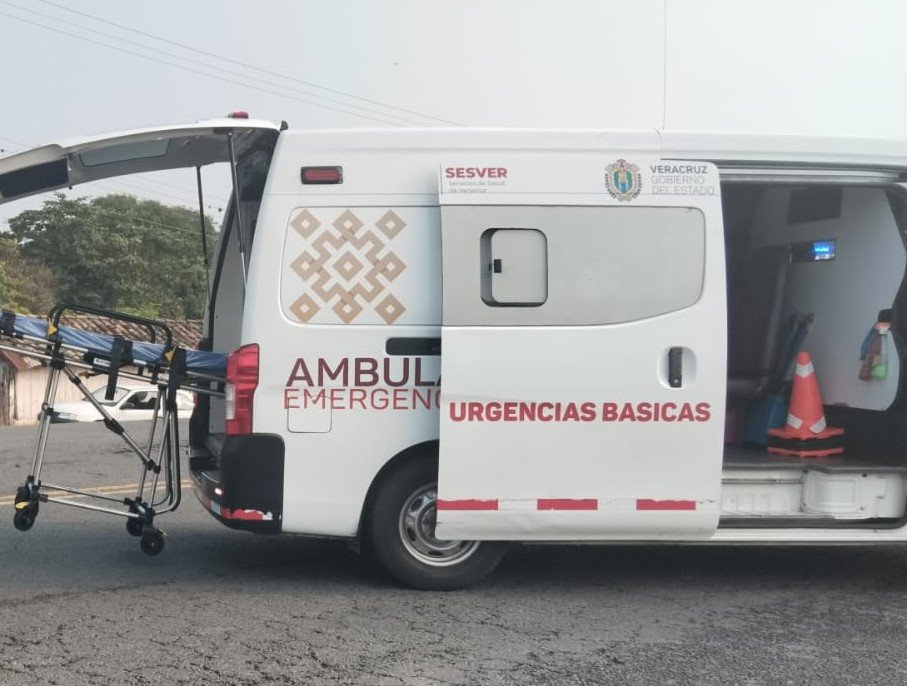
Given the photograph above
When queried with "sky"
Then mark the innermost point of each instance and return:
(829, 67)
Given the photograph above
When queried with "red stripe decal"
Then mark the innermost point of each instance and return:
(250, 515)
(567, 504)
(649, 504)
(472, 504)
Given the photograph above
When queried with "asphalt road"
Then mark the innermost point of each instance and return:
(80, 604)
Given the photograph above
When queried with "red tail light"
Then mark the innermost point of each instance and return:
(321, 175)
(242, 380)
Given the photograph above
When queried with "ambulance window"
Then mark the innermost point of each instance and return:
(124, 152)
(575, 266)
(515, 267)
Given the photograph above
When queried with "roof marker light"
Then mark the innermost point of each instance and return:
(321, 175)
(238, 114)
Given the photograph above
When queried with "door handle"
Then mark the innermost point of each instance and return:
(675, 367)
(407, 345)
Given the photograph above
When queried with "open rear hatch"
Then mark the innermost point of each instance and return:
(62, 165)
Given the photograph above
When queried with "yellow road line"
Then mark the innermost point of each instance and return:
(120, 489)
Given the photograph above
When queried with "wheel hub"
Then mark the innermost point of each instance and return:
(418, 519)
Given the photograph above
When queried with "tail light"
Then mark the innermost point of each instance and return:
(239, 391)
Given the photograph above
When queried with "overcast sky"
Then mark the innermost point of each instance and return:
(822, 67)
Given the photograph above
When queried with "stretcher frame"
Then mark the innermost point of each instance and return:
(160, 463)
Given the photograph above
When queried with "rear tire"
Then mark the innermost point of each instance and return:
(398, 533)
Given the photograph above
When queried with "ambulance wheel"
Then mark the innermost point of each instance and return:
(24, 519)
(134, 526)
(399, 534)
(152, 541)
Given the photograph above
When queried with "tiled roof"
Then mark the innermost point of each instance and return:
(186, 332)
(17, 361)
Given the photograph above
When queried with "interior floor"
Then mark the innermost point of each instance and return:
(746, 457)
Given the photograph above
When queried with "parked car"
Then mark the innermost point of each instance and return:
(129, 403)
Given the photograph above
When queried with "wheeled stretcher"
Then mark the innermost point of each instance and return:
(155, 360)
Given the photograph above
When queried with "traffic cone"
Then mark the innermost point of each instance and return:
(806, 433)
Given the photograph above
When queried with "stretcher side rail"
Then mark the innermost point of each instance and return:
(167, 366)
(150, 325)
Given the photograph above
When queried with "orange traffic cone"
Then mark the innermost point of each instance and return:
(806, 433)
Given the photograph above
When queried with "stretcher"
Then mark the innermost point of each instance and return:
(156, 360)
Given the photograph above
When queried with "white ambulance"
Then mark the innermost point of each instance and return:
(444, 340)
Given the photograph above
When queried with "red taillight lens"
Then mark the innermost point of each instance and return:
(321, 175)
(239, 391)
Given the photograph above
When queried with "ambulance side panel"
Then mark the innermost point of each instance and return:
(344, 300)
(328, 385)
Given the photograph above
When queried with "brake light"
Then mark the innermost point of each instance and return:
(321, 175)
(239, 391)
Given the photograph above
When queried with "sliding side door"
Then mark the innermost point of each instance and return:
(583, 365)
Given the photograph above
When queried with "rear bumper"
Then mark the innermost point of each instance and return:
(240, 481)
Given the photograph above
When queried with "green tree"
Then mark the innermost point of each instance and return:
(25, 285)
(118, 252)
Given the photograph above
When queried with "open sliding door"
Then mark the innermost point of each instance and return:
(583, 366)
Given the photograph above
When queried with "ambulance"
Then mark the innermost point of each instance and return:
(442, 341)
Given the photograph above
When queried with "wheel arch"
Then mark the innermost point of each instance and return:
(427, 450)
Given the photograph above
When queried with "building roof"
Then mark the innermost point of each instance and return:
(186, 332)
(17, 361)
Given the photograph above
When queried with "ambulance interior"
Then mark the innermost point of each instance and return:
(820, 269)
(223, 318)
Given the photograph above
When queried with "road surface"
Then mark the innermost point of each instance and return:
(80, 604)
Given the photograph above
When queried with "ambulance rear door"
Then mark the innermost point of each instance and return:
(583, 348)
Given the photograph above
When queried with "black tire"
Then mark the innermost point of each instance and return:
(383, 531)
(152, 542)
(134, 526)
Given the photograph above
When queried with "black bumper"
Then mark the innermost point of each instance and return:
(242, 486)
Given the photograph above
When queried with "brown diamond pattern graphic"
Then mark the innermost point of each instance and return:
(347, 265)
(347, 309)
(392, 268)
(347, 268)
(306, 264)
(305, 223)
(348, 224)
(390, 308)
(304, 307)
(390, 224)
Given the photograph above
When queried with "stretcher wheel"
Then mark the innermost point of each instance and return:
(152, 542)
(24, 519)
(134, 526)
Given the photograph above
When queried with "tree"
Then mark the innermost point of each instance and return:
(25, 285)
(118, 252)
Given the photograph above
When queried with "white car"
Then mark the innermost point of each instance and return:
(129, 403)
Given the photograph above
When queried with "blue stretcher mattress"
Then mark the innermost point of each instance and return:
(101, 344)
